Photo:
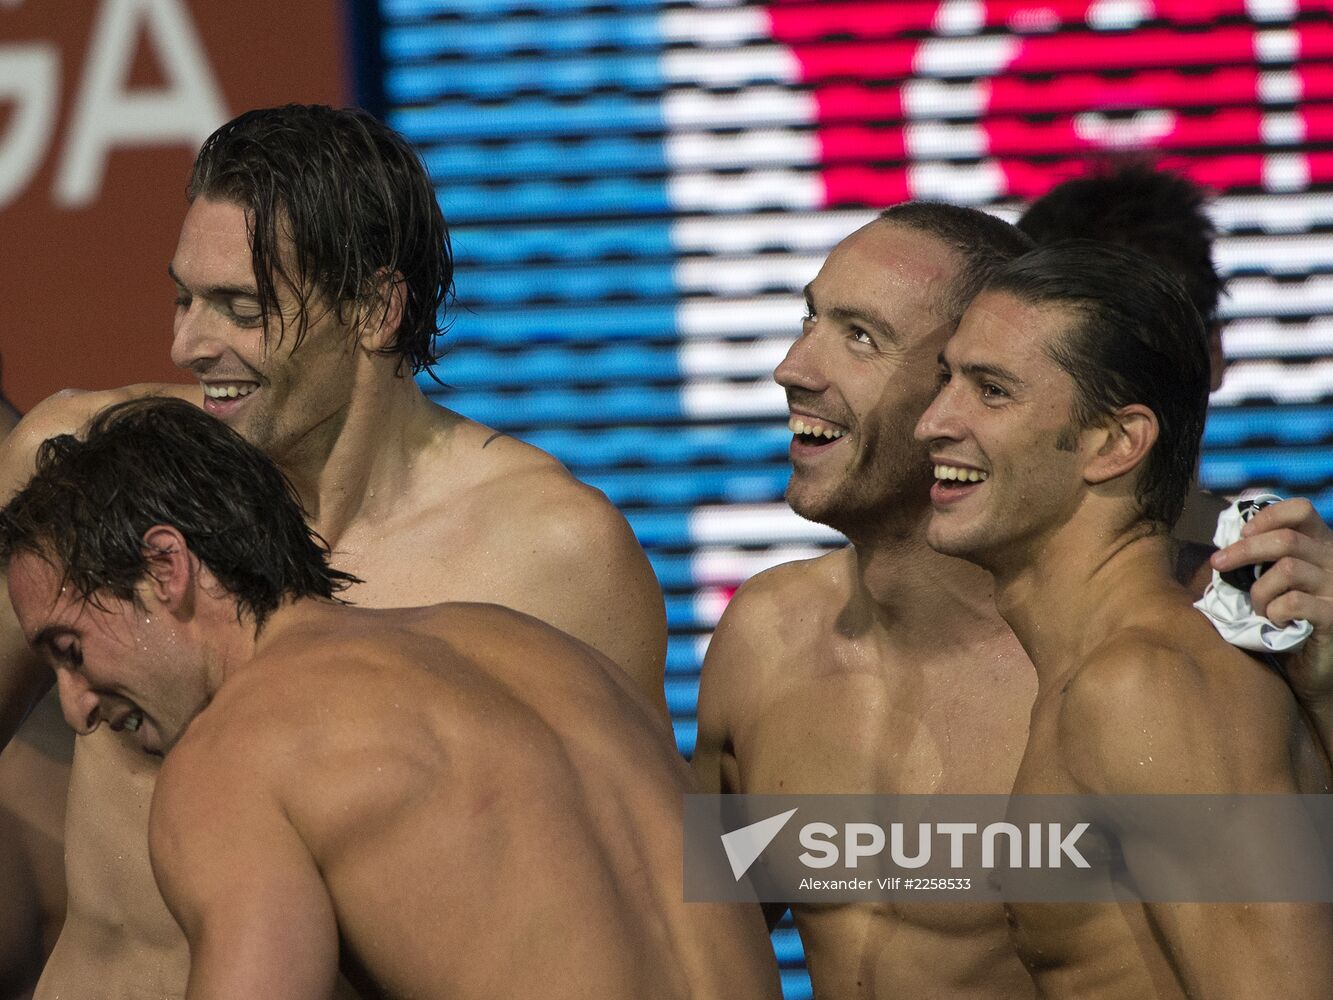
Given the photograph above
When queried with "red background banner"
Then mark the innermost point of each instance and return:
(102, 106)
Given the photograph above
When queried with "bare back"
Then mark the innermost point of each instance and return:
(801, 694)
(491, 806)
(1163, 705)
(481, 517)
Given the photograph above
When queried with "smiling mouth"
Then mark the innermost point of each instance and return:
(959, 475)
(227, 391)
(812, 432)
(954, 482)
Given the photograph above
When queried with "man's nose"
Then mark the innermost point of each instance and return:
(79, 702)
(803, 367)
(194, 337)
(940, 422)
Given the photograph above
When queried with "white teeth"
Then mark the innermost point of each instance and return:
(953, 472)
(798, 426)
(227, 391)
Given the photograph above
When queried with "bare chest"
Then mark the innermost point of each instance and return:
(1075, 950)
(847, 720)
(403, 565)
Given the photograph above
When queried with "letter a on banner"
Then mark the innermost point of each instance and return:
(185, 111)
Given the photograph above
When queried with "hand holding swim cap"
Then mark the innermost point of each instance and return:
(1226, 602)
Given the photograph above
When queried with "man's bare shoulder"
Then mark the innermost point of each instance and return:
(778, 615)
(66, 412)
(378, 691)
(798, 597)
(521, 479)
(495, 480)
(1171, 709)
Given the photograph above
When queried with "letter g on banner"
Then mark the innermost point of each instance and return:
(30, 82)
(106, 112)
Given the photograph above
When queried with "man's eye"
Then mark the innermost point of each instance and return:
(942, 378)
(182, 300)
(860, 336)
(992, 391)
(248, 315)
(71, 655)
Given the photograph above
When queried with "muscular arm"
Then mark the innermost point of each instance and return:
(728, 664)
(1143, 723)
(240, 882)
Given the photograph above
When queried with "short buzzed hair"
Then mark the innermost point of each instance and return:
(983, 242)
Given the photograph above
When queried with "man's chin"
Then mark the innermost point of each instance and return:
(821, 509)
(954, 543)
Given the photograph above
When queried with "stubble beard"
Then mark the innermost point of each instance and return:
(867, 501)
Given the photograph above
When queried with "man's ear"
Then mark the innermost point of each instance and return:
(1130, 433)
(171, 566)
(382, 313)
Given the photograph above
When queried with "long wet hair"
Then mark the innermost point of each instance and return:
(340, 208)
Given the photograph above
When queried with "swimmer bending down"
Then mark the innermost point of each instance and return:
(452, 801)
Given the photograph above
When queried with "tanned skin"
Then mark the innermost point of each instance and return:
(1136, 692)
(421, 503)
(34, 772)
(882, 668)
(422, 797)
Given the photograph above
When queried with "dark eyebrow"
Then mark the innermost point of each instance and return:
(217, 291)
(854, 315)
(977, 371)
(984, 371)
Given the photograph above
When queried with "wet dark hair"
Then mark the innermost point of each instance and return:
(160, 460)
(1132, 203)
(982, 242)
(1136, 338)
(356, 204)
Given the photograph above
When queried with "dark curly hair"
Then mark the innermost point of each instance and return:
(160, 460)
(353, 202)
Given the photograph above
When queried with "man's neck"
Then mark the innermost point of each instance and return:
(1075, 585)
(244, 642)
(367, 459)
(917, 595)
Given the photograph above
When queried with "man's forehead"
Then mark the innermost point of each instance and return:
(887, 268)
(35, 590)
(214, 243)
(887, 247)
(1003, 325)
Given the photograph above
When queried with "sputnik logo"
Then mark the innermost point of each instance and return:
(744, 846)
